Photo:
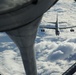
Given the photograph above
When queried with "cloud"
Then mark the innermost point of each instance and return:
(43, 49)
(63, 51)
(47, 68)
(72, 40)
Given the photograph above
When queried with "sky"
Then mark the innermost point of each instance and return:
(54, 54)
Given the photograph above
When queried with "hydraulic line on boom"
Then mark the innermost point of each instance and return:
(71, 70)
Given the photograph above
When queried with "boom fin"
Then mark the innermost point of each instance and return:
(24, 38)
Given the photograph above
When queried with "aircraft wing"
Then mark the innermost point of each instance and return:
(58, 22)
(67, 27)
(62, 22)
(53, 27)
(52, 22)
(48, 27)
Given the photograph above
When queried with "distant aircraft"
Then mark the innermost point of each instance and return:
(56, 27)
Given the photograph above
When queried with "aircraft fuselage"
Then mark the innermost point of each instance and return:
(57, 32)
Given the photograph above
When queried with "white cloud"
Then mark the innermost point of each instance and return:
(63, 51)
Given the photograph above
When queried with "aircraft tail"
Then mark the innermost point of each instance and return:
(57, 18)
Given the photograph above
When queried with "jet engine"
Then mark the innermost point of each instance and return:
(71, 30)
(42, 30)
(57, 32)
